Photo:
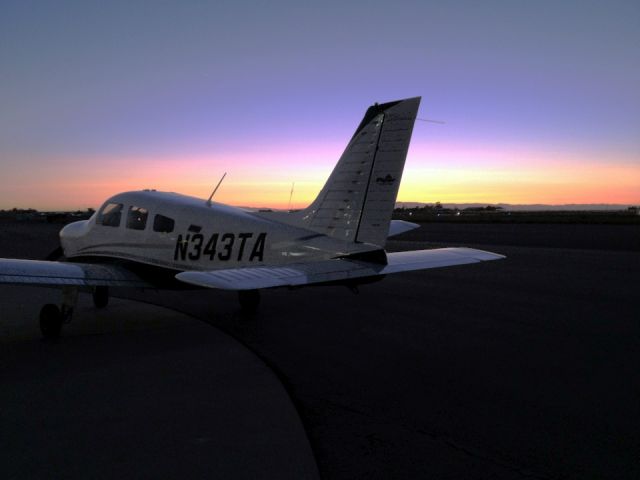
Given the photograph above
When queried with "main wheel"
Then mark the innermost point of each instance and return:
(50, 321)
(249, 300)
(101, 297)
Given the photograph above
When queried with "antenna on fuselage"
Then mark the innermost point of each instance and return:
(430, 120)
(215, 189)
(293, 184)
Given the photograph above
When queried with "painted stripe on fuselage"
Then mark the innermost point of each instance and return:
(165, 246)
(137, 259)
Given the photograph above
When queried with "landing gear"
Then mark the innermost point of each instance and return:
(52, 317)
(101, 297)
(249, 300)
(50, 321)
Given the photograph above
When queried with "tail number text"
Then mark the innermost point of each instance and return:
(221, 246)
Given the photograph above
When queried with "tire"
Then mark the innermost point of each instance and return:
(101, 297)
(249, 300)
(50, 321)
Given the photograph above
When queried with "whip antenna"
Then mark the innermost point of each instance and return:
(215, 190)
(429, 120)
(293, 184)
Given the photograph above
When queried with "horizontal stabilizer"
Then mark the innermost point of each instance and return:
(336, 270)
(39, 272)
(436, 258)
(396, 227)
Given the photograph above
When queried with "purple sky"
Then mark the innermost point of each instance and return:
(272, 91)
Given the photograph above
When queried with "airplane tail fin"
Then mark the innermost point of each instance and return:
(357, 201)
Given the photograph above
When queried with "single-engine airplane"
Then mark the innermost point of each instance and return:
(151, 239)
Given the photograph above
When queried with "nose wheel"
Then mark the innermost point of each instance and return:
(52, 317)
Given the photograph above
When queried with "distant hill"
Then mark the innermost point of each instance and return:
(522, 208)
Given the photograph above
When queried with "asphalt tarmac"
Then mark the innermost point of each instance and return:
(521, 368)
(136, 391)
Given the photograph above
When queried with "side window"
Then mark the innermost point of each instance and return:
(163, 224)
(137, 218)
(110, 215)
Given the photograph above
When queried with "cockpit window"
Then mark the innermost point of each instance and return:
(110, 215)
(163, 224)
(137, 218)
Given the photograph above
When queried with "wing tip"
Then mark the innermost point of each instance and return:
(484, 255)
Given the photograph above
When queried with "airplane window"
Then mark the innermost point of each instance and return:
(163, 224)
(137, 218)
(110, 215)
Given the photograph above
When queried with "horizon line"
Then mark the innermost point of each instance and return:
(398, 204)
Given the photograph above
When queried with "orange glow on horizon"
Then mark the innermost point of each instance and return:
(433, 173)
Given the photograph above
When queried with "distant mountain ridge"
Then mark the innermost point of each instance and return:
(525, 207)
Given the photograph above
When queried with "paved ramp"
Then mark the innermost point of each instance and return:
(138, 391)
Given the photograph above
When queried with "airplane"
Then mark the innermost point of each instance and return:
(151, 239)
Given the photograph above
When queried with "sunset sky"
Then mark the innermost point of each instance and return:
(541, 100)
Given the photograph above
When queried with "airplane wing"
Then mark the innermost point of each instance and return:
(332, 270)
(39, 272)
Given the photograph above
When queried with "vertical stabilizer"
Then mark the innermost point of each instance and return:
(357, 201)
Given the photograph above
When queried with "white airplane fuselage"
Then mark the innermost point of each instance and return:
(150, 239)
(181, 233)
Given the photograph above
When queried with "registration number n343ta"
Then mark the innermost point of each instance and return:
(220, 246)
